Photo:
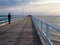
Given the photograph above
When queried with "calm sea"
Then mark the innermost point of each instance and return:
(54, 35)
(51, 19)
(55, 20)
(4, 18)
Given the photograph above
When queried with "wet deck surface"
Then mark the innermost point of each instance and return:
(20, 32)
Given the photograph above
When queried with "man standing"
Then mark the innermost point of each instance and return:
(9, 18)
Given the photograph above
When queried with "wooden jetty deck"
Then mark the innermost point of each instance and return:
(20, 32)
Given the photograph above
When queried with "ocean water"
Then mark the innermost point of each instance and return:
(53, 34)
(55, 20)
(51, 19)
(4, 18)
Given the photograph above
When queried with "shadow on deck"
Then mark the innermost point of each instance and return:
(17, 35)
(36, 38)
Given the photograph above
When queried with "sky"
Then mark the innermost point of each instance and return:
(33, 7)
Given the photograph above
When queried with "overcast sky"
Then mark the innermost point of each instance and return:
(34, 7)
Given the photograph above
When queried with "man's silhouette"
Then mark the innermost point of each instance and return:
(9, 18)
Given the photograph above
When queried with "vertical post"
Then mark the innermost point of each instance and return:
(6, 19)
(37, 22)
(47, 33)
(3, 20)
(22, 11)
(41, 24)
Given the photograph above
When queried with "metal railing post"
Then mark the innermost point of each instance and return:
(47, 33)
(43, 34)
(41, 28)
(3, 20)
(41, 25)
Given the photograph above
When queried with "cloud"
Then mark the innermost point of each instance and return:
(7, 3)
(14, 2)
(30, 7)
(45, 2)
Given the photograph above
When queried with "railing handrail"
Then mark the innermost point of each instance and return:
(4, 19)
(51, 25)
(48, 41)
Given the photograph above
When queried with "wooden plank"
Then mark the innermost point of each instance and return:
(20, 32)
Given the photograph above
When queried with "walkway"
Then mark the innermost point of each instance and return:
(20, 32)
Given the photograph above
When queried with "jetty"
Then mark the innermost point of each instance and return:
(20, 32)
(29, 30)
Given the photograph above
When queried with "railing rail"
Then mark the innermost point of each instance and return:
(4, 19)
(39, 24)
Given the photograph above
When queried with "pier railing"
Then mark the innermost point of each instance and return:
(4, 19)
(39, 23)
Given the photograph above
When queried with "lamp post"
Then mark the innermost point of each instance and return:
(23, 9)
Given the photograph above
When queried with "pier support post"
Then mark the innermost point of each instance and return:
(47, 33)
(41, 28)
